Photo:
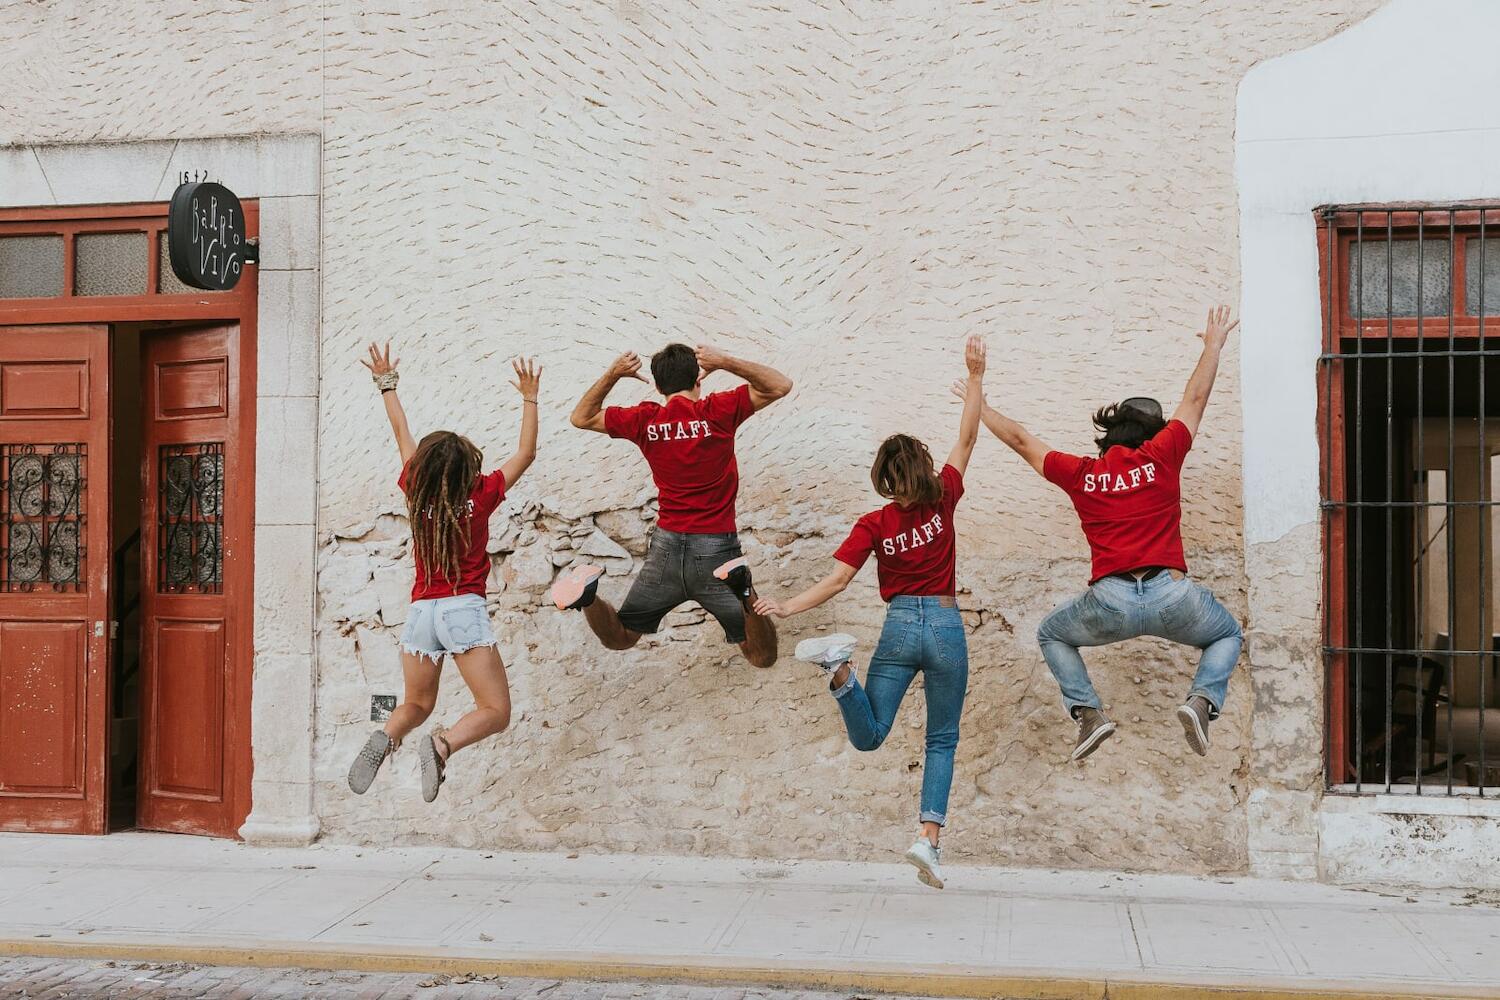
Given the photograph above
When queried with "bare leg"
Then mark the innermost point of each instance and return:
(605, 622)
(931, 831)
(484, 674)
(420, 675)
(759, 646)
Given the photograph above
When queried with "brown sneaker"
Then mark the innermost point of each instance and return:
(1094, 728)
(1195, 716)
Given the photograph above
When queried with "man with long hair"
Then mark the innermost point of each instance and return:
(694, 554)
(1129, 500)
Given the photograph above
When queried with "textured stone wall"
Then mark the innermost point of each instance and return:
(844, 190)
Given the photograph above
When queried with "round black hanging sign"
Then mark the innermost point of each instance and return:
(206, 236)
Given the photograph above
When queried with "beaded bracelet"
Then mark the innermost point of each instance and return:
(386, 381)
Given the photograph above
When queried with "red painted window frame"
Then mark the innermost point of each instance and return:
(1337, 230)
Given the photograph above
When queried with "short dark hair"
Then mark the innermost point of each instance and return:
(675, 368)
(1126, 426)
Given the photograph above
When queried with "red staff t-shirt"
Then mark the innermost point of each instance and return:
(689, 444)
(474, 561)
(913, 546)
(1130, 501)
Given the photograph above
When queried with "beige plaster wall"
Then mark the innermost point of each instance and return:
(845, 190)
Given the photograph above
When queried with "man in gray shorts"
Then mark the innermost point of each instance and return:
(688, 441)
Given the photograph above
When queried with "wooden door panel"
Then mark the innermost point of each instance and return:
(187, 741)
(43, 717)
(44, 389)
(54, 561)
(197, 509)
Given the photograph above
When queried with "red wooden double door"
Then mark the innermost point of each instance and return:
(66, 524)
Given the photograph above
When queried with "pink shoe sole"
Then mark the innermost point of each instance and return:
(723, 571)
(573, 584)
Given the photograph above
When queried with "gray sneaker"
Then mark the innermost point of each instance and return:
(433, 766)
(1094, 728)
(362, 772)
(1195, 716)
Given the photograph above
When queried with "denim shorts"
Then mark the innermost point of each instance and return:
(446, 625)
(680, 568)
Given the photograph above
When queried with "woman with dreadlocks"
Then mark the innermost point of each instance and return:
(449, 503)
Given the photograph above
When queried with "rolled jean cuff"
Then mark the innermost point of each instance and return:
(1071, 707)
(941, 819)
(1213, 707)
(847, 686)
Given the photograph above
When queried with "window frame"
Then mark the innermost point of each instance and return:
(1339, 227)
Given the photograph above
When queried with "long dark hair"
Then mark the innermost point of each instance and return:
(439, 479)
(903, 472)
(1124, 425)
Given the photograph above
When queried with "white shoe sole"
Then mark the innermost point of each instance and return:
(1101, 734)
(815, 650)
(1192, 728)
(925, 874)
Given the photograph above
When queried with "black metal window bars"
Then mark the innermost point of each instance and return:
(1407, 498)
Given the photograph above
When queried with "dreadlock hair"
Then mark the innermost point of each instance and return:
(1124, 425)
(439, 479)
(903, 472)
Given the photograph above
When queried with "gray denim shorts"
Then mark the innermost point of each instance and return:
(680, 568)
(446, 625)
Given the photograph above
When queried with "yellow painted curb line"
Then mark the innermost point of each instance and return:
(980, 986)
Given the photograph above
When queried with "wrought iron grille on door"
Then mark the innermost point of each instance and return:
(42, 492)
(1410, 425)
(190, 516)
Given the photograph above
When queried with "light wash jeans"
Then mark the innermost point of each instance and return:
(1114, 610)
(920, 636)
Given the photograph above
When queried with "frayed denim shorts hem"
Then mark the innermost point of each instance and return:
(447, 626)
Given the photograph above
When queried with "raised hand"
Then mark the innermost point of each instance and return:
(528, 378)
(960, 389)
(765, 606)
(710, 358)
(974, 356)
(1217, 328)
(627, 365)
(380, 359)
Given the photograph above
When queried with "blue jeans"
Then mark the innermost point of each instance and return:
(1114, 610)
(920, 635)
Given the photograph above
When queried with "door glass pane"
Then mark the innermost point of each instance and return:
(1369, 266)
(31, 267)
(110, 264)
(189, 519)
(1482, 259)
(42, 503)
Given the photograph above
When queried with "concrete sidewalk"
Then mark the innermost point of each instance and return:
(994, 932)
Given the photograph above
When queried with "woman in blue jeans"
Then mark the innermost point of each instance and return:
(912, 539)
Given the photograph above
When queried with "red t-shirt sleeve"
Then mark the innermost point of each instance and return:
(858, 546)
(953, 486)
(623, 422)
(490, 492)
(1062, 469)
(1171, 444)
(732, 407)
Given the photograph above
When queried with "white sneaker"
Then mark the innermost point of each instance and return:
(827, 651)
(924, 857)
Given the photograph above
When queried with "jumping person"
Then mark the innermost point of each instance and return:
(1129, 500)
(694, 554)
(449, 503)
(912, 539)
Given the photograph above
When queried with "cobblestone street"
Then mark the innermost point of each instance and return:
(36, 978)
